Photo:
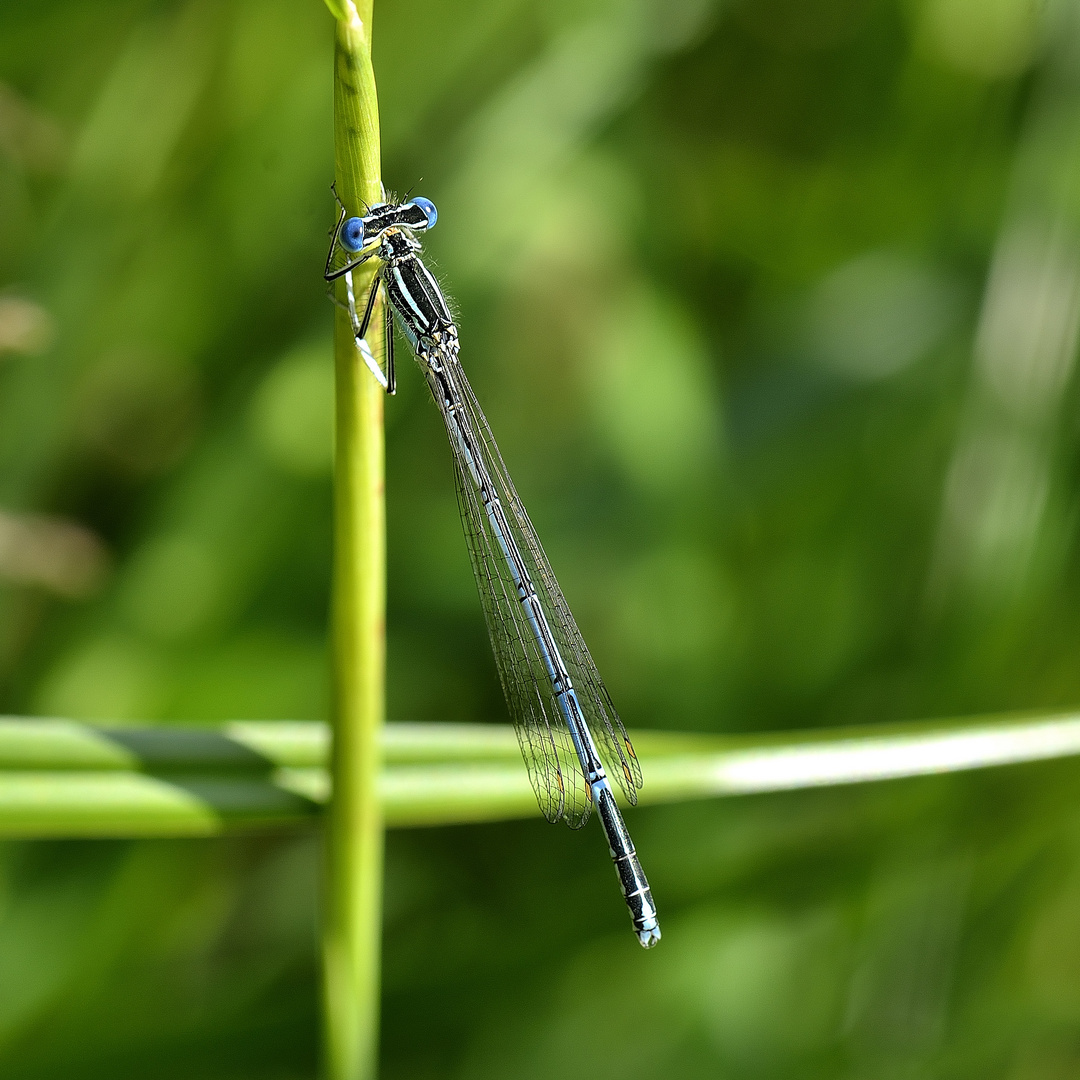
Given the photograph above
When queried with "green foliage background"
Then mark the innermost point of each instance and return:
(773, 306)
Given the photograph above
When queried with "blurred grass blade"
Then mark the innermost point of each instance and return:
(41, 743)
(64, 778)
(118, 804)
(858, 756)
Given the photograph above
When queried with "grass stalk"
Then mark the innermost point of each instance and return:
(352, 911)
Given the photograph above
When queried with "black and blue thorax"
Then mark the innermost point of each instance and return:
(415, 294)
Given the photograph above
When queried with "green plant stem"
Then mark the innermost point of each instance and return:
(352, 912)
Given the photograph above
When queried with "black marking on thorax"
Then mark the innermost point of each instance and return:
(413, 290)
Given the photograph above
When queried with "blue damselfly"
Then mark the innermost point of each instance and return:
(568, 729)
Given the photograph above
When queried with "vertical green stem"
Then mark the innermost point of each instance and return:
(354, 825)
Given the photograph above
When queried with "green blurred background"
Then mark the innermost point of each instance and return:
(773, 305)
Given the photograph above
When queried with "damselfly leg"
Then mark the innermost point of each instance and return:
(387, 378)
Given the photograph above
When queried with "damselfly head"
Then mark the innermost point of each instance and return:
(416, 215)
(351, 234)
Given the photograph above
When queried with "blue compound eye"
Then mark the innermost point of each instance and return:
(428, 207)
(352, 234)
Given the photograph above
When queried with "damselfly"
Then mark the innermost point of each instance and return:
(568, 729)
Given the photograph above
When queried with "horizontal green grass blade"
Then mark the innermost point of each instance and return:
(117, 804)
(65, 778)
(46, 743)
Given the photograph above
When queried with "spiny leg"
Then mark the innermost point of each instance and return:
(360, 330)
